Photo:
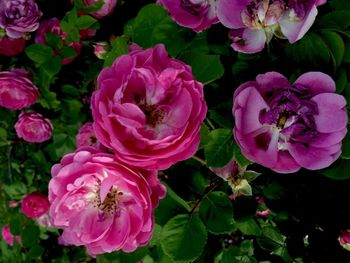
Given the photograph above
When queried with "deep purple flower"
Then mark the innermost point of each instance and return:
(255, 22)
(288, 126)
(195, 14)
(19, 17)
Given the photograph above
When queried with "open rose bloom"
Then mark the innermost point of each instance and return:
(33, 127)
(195, 14)
(35, 205)
(286, 126)
(19, 17)
(149, 108)
(86, 137)
(255, 22)
(102, 204)
(16, 90)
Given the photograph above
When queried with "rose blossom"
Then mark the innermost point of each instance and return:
(53, 26)
(288, 126)
(195, 14)
(33, 127)
(344, 239)
(149, 108)
(11, 47)
(105, 10)
(255, 22)
(35, 205)
(8, 237)
(86, 137)
(18, 17)
(17, 90)
(101, 203)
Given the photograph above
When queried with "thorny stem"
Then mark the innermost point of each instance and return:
(210, 189)
(200, 160)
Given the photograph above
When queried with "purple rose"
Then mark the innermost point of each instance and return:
(344, 239)
(195, 14)
(33, 127)
(288, 126)
(19, 17)
(17, 90)
(11, 47)
(255, 22)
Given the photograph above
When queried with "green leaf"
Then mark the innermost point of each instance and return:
(52, 66)
(39, 53)
(85, 22)
(346, 147)
(249, 227)
(338, 170)
(183, 238)
(340, 4)
(30, 235)
(335, 20)
(54, 40)
(214, 208)
(68, 52)
(153, 25)
(36, 251)
(346, 58)
(270, 238)
(336, 46)
(341, 80)
(119, 47)
(205, 135)
(219, 151)
(206, 68)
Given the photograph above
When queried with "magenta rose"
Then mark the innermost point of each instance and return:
(86, 137)
(149, 108)
(19, 17)
(53, 26)
(33, 127)
(286, 126)
(8, 237)
(35, 205)
(16, 90)
(11, 47)
(195, 14)
(106, 9)
(255, 22)
(102, 204)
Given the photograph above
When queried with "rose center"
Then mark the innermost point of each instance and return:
(154, 115)
(110, 203)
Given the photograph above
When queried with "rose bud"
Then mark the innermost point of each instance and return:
(344, 239)
(35, 205)
(106, 9)
(8, 237)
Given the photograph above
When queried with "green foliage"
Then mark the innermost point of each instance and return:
(183, 238)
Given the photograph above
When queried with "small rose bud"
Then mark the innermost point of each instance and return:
(344, 239)
(35, 205)
(100, 49)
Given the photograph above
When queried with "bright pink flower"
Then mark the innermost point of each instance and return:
(102, 204)
(288, 126)
(17, 90)
(86, 137)
(106, 9)
(19, 17)
(8, 237)
(344, 239)
(149, 108)
(195, 14)
(35, 205)
(33, 127)
(255, 22)
(10, 47)
(53, 26)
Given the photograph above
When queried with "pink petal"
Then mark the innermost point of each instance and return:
(317, 82)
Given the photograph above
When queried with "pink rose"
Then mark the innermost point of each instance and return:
(106, 9)
(17, 90)
(86, 137)
(10, 47)
(195, 14)
(53, 26)
(101, 49)
(35, 205)
(102, 204)
(8, 237)
(344, 239)
(19, 17)
(149, 108)
(255, 22)
(33, 127)
(288, 126)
